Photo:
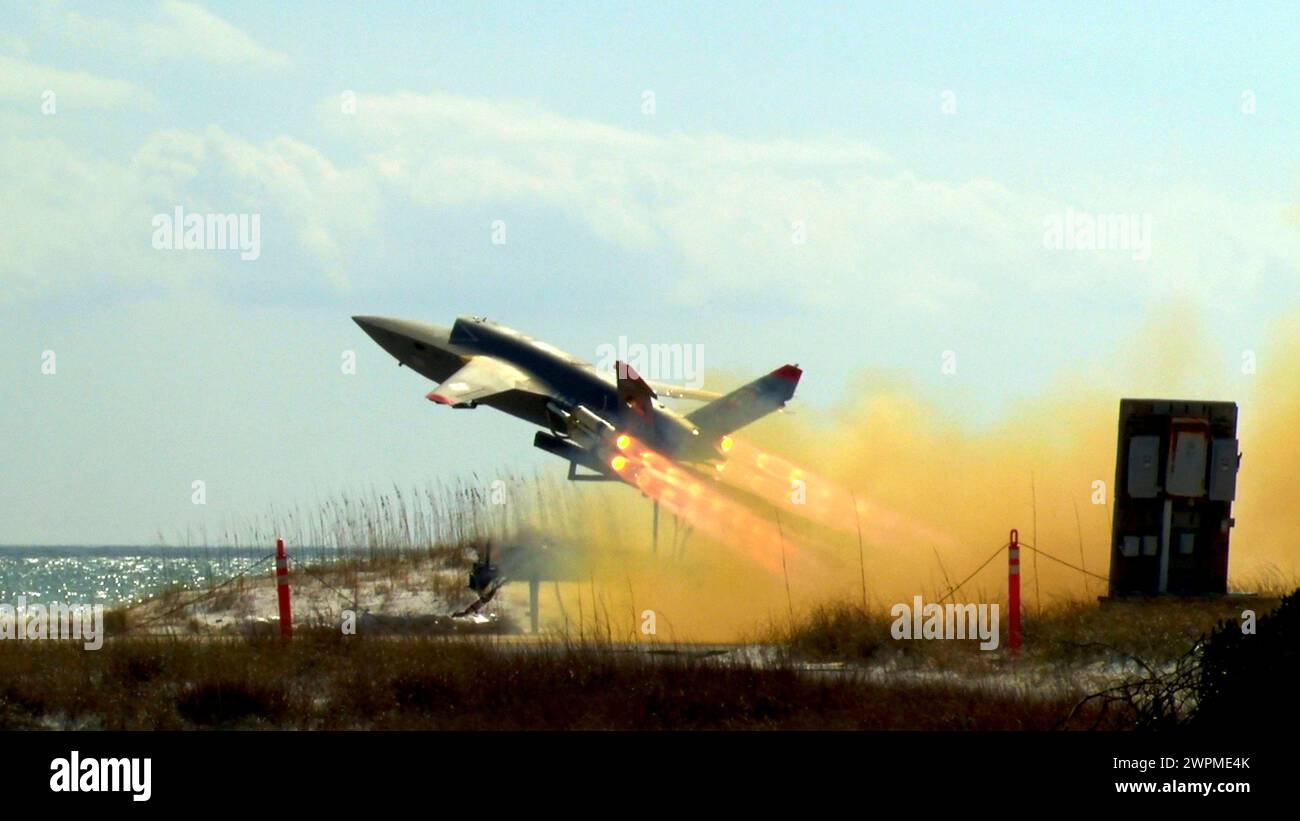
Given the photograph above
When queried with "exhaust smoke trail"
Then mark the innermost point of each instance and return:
(789, 486)
(924, 478)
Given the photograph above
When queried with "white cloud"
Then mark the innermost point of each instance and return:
(731, 209)
(710, 214)
(65, 217)
(177, 31)
(189, 30)
(73, 221)
(24, 82)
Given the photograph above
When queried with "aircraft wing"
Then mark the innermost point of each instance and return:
(480, 378)
(678, 392)
(748, 402)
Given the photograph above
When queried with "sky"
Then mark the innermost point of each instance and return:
(868, 191)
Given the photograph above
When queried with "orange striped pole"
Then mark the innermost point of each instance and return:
(1013, 592)
(282, 590)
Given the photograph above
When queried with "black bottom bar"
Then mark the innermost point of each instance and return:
(375, 771)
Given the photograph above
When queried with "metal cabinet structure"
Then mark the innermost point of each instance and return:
(1175, 481)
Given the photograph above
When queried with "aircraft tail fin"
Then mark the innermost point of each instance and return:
(633, 391)
(747, 403)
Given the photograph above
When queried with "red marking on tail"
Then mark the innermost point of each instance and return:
(790, 373)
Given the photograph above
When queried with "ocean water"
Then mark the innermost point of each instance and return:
(116, 575)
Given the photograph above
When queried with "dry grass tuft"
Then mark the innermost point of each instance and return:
(328, 681)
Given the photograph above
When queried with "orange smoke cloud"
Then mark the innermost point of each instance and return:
(935, 497)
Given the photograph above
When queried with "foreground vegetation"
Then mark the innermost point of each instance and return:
(165, 666)
(324, 681)
(1182, 663)
(1149, 633)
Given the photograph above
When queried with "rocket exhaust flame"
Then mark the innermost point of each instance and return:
(717, 514)
(788, 486)
(713, 513)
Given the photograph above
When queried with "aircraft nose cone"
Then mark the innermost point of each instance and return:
(367, 323)
(408, 341)
(378, 328)
(399, 337)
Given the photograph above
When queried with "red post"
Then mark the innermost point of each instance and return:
(282, 589)
(1013, 592)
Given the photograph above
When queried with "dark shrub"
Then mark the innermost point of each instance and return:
(1249, 682)
(231, 702)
